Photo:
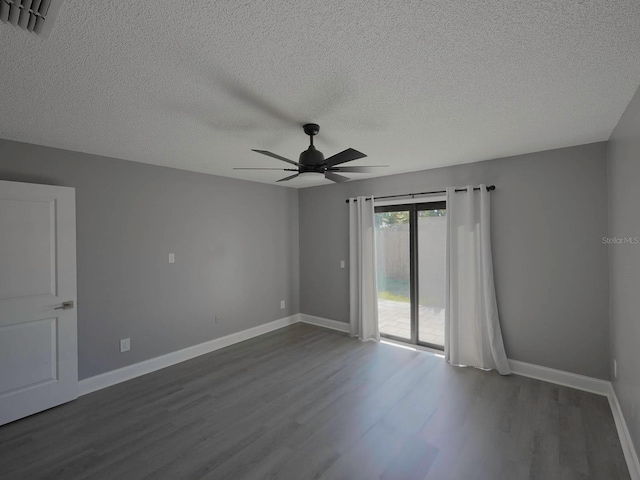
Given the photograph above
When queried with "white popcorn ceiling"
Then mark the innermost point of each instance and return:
(413, 84)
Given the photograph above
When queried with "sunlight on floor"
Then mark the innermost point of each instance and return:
(414, 349)
(399, 346)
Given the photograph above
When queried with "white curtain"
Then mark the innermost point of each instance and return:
(362, 270)
(472, 328)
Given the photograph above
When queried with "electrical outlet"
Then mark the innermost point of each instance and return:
(125, 345)
(341, 263)
(172, 258)
(615, 368)
(216, 320)
(282, 304)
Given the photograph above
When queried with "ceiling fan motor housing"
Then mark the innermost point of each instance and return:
(311, 157)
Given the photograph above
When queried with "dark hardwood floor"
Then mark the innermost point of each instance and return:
(304, 402)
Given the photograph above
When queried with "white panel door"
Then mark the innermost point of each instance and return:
(38, 338)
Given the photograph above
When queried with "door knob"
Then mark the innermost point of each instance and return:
(65, 306)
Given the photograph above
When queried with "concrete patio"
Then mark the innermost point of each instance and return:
(394, 319)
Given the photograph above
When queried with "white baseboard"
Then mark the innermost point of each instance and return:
(630, 453)
(325, 322)
(588, 384)
(560, 377)
(123, 374)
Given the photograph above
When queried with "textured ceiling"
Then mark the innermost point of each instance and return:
(414, 84)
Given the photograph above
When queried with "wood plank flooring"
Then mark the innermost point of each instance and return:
(304, 402)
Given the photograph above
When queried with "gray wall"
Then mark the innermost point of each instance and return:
(624, 260)
(549, 213)
(236, 246)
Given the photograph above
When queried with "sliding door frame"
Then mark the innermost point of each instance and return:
(414, 287)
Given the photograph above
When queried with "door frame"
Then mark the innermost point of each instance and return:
(414, 288)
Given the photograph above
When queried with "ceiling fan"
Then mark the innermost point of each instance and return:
(312, 163)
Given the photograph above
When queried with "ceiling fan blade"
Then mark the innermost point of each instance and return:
(257, 168)
(243, 93)
(345, 156)
(288, 178)
(269, 154)
(335, 177)
(370, 169)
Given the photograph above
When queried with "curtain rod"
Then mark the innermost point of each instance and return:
(490, 188)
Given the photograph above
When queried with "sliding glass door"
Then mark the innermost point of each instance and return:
(410, 257)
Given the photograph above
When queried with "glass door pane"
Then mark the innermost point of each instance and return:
(431, 250)
(393, 273)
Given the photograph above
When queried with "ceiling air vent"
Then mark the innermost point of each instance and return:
(35, 16)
